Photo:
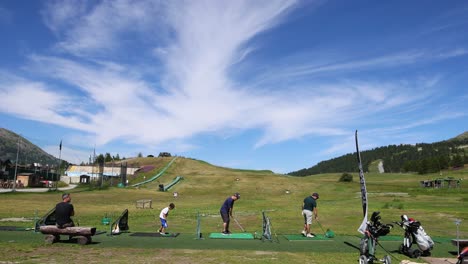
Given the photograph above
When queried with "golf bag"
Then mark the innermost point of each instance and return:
(414, 232)
(374, 230)
(463, 257)
(121, 224)
(47, 219)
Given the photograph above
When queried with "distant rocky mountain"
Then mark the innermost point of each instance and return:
(28, 152)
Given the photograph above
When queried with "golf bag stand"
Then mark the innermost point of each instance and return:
(368, 243)
(414, 232)
(266, 227)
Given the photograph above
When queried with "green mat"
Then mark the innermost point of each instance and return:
(232, 236)
(13, 228)
(300, 237)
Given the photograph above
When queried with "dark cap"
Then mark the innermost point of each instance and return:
(316, 195)
(237, 195)
(65, 195)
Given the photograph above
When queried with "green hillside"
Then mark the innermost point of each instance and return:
(204, 189)
(460, 137)
(422, 158)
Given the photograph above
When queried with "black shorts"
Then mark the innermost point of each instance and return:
(71, 224)
(225, 217)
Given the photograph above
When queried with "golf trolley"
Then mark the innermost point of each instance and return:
(414, 232)
(462, 258)
(266, 227)
(368, 244)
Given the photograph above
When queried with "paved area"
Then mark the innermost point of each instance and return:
(71, 186)
(429, 260)
(440, 260)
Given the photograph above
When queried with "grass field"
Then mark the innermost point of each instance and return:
(203, 190)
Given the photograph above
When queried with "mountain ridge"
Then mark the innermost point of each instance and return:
(420, 157)
(28, 152)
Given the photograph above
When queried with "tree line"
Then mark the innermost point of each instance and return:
(421, 158)
(102, 158)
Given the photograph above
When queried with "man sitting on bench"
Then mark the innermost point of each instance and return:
(63, 212)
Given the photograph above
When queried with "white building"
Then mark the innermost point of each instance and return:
(74, 172)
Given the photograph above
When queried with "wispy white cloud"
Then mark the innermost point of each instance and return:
(452, 53)
(88, 29)
(60, 15)
(6, 16)
(295, 67)
(449, 21)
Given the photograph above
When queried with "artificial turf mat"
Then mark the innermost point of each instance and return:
(232, 236)
(340, 243)
(300, 237)
(144, 234)
(11, 228)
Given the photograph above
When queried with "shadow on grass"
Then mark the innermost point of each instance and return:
(75, 241)
(351, 245)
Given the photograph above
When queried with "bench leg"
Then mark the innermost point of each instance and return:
(82, 240)
(50, 239)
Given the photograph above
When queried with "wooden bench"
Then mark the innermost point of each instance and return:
(147, 203)
(82, 234)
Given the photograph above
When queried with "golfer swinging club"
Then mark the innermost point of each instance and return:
(226, 211)
(309, 207)
(163, 217)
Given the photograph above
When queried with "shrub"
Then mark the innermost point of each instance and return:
(346, 177)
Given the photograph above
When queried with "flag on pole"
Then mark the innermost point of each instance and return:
(362, 180)
(60, 146)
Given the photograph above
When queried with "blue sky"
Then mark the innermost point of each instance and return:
(277, 85)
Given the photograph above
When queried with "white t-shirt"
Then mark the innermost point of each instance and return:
(164, 212)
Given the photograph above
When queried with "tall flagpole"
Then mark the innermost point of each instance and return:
(16, 166)
(94, 163)
(362, 181)
(60, 164)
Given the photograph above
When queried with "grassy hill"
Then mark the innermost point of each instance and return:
(205, 187)
(203, 190)
(460, 137)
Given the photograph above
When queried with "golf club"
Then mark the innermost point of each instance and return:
(321, 227)
(238, 224)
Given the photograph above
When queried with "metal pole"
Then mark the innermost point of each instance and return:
(47, 173)
(112, 171)
(60, 165)
(457, 222)
(16, 166)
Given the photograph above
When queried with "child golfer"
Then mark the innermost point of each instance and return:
(163, 217)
